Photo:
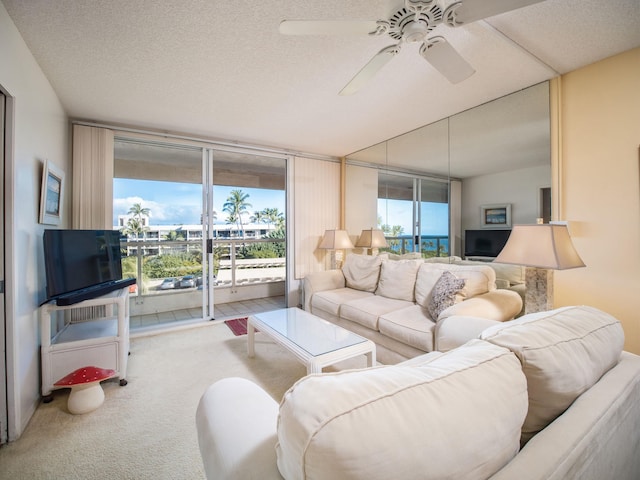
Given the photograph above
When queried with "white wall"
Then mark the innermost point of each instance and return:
(41, 131)
(520, 188)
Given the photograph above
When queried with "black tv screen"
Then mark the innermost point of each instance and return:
(484, 243)
(80, 259)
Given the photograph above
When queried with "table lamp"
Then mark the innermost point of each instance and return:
(542, 249)
(336, 241)
(372, 240)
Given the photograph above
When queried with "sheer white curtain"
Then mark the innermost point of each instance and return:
(92, 185)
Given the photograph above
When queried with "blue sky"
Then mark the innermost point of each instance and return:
(173, 203)
(399, 212)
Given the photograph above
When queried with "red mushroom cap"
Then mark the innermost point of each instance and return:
(85, 375)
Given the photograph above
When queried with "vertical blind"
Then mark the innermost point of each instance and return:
(92, 186)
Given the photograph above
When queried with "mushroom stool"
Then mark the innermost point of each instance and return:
(86, 392)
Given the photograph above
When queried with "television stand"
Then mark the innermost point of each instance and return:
(479, 258)
(102, 341)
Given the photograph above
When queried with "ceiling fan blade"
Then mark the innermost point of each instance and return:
(370, 69)
(467, 11)
(444, 58)
(327, 27)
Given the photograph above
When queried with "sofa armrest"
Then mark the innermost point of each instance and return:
(320, 281)
(497, 305)
(236, 422)
(451, 332)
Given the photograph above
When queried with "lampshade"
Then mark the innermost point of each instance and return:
(335, 240)
(542, 246)
(372, 238)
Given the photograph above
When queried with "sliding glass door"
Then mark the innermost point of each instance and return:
(414, 213)
(200, 226)
(158, 206)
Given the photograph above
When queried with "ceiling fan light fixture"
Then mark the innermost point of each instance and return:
(415, 32)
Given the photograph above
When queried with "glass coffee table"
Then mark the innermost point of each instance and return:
(316, 342)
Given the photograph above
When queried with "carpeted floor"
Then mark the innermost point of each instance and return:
(146, 430)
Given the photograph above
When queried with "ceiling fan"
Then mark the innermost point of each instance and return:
(411, 24)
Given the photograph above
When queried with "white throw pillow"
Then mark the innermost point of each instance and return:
(361, 272)
(398, 279)
(479, 279)
(405, 256)
(457, 415)
(563, 353)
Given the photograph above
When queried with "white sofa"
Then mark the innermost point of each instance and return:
(394, 302)
(548, 396)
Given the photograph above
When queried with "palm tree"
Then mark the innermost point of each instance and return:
(236, 205)
(273, 216)
(136, 211)
(173, 235)
(136, 224)
(134, 228)
(394, 231)
(258, 217)
(270, 216)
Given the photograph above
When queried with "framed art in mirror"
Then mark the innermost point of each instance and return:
(51, 194)
(495, 216)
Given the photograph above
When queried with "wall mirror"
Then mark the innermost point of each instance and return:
(443, 177)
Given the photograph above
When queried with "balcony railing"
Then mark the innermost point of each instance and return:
(430, 245)
(166, 266)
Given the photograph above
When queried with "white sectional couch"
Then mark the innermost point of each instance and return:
(548, 396)
(394, 302)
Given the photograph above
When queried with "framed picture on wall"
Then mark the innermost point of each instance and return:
(51, 194)
(495, 216)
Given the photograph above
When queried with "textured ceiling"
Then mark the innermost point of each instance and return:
(220, 69)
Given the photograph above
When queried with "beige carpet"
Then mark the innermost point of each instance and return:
(146, 430)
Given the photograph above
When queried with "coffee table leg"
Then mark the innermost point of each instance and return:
(251, 336)
(371, 358)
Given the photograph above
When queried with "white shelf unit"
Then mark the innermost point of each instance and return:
(101, 342)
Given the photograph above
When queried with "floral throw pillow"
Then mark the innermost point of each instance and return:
(444, 293)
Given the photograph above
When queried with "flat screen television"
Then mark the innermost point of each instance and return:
(82, 264)
(484, 243)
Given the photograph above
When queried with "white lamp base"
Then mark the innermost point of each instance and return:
(539, 294)
(335, 259)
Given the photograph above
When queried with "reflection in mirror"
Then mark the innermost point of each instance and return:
(495, 154)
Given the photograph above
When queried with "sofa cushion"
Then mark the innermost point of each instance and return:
(444, 293)
(508, 274)
(398, 279)
(479, 279)
(563, 353)
(411, 325)
(366, 311)
(361, 272)
(330, 300)
(466, 409)
(451, 259)
(405, 256)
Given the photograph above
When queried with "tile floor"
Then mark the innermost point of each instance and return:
(224, 311)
